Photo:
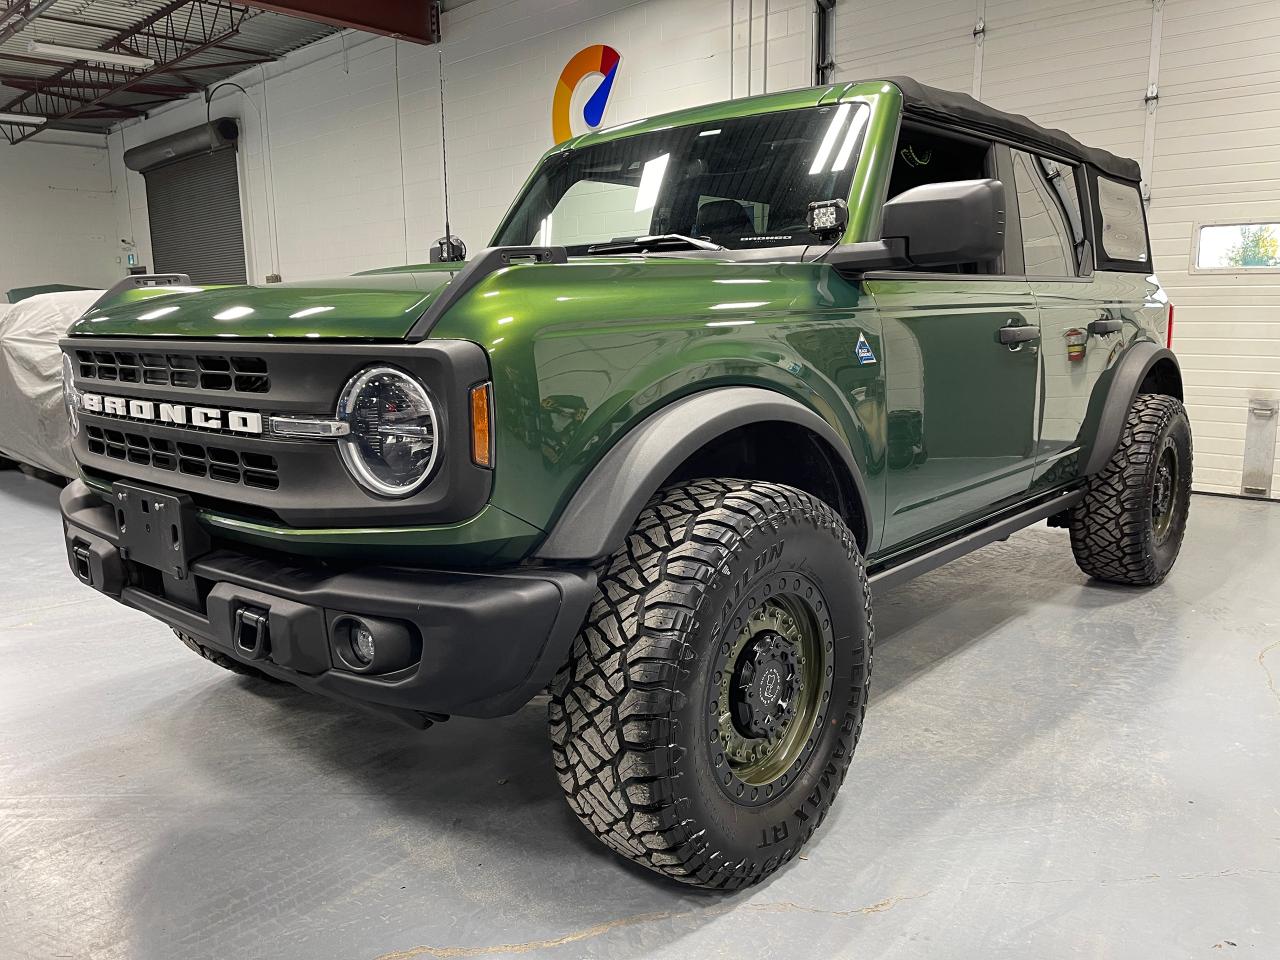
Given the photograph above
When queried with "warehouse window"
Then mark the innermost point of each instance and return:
(193, 206)
(1237, 247)
(1124, 228)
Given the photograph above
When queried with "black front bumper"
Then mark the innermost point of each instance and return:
(483, 643)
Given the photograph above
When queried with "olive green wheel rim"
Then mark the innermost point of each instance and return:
(772, 684)
(1164, 493)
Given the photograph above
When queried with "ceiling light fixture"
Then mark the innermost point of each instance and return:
(26, 119)
(59, 52)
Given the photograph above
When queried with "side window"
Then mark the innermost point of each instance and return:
(1124, 230)
(1049, 247)
(1064, 183)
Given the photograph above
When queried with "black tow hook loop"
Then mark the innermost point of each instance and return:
(83, 568)
(253, 633)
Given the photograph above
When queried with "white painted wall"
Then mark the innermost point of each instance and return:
(1210, 147)
(342, 171)
(56, 218)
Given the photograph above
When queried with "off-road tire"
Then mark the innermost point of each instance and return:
(633, 741)
(222, 660)
(1114, 533)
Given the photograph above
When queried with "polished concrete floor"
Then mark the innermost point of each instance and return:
(1051, 769)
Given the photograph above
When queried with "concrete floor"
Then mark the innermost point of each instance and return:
(1051, 768)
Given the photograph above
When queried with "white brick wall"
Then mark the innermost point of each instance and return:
(56, 218)
(352, 175)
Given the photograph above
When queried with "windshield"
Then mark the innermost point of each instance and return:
(741, 183)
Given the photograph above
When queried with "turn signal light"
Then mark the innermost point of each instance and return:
(481, 432)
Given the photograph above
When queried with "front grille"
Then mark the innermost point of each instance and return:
(184, 456)
(270, 478)
(203, 371)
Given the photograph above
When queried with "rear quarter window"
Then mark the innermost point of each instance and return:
(1122, 226)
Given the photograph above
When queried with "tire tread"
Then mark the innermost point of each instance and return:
(610, 716)
(1110, 526)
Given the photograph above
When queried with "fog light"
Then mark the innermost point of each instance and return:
(362, 643)
(372, 645)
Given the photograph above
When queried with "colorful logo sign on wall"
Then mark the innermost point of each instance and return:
(596, 60)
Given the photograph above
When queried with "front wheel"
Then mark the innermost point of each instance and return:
(221, 659)
(713, 700)
(1129, 526)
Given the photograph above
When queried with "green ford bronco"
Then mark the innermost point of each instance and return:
(723, 376)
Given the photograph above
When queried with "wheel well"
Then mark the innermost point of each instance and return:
(1163, 377)
(780, 452)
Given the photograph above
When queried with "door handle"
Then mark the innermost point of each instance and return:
(1100, 327)
(1011, 336)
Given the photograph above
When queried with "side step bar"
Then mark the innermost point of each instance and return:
(936, 555)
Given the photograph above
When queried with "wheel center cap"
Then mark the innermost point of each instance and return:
(764, 686)
(770, 685)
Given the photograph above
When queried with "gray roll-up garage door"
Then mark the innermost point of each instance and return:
(194, 208)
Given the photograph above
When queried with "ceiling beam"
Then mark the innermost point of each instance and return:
(108, 28)
(46, 62)
(223, 64)
(15, 17)
(416, 20)
(110, 113)
(188, 28)
(57, 93)
(170, 90)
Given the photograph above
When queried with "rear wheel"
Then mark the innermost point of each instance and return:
(1129, 526)
(713, 700)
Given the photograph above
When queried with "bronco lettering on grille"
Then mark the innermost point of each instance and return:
(173, 414)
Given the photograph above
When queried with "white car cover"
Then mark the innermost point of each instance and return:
(33, 421)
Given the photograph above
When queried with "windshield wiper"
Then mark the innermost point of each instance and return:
(644, 244)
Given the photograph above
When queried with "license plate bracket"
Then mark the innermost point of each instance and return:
(158, 530)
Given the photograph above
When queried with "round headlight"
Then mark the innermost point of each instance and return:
(392, 444)
(69, 396)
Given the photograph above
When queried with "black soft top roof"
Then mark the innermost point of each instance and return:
(947, 104)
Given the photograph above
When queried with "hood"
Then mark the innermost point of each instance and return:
(376, 306)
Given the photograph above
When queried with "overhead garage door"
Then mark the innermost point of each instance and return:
(932, 42)
(1217, 157)
(1191, 88)
(193, 205)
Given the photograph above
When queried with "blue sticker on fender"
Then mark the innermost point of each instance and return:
(863, 351)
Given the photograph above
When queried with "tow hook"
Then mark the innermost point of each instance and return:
(253, 633)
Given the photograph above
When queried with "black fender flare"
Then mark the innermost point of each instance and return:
(597, 518)
(1110, 404)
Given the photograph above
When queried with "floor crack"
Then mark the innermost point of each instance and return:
(1262, 662)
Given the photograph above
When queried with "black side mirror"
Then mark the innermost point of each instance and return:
(944, 224)
(936, 225)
